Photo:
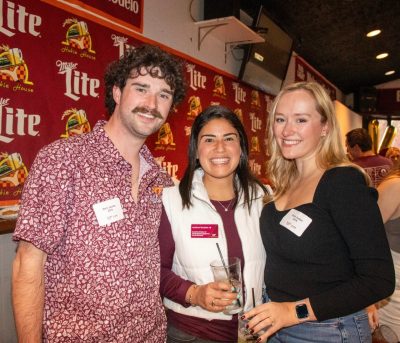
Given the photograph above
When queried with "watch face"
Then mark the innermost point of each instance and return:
(302, 311)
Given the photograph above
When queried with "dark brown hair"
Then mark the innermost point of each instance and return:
(247, 181)
(146, 59)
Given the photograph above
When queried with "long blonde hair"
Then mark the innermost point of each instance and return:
(330, 151)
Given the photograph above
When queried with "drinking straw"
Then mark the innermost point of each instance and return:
(252, 294)
(225, 267)
(222, 260)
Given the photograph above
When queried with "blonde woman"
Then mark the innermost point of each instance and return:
(327, 253)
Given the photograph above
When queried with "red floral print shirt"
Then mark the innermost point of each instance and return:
(101, 282)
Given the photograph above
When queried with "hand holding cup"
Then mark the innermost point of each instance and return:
(230, 274)
(214, 296)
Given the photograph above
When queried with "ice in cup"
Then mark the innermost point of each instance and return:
(230, 272)
(244, 335)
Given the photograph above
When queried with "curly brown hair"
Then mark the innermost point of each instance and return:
(153, 61)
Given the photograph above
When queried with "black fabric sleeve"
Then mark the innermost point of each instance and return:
(353, 208)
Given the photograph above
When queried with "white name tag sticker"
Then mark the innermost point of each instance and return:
(108, 211)
(296, 222)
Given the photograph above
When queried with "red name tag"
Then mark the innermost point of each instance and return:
(204, 231)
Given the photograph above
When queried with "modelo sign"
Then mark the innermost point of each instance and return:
(129, 11)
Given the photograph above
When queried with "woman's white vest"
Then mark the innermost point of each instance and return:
(193, 256)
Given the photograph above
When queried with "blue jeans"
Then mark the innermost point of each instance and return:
(353, 328)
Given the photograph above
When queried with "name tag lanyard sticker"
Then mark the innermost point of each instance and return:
(108, 212)
(296, 222)
(204, 231)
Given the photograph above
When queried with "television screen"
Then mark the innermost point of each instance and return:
(265, 64)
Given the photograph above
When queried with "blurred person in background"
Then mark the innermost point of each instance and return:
(217, 191)
(359, 148)
(389, 204)
(394, 154)
(327, 253)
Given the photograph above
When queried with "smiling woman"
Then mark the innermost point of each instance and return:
(217, 202)
(219, 153)
(328, 256)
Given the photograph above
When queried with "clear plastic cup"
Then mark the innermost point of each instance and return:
(230, 271)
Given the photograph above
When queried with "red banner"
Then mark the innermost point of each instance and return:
(304, 72)
(51, 86)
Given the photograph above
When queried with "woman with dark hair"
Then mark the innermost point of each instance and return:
(217, 192)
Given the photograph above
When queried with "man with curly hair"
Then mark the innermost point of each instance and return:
(88, 263)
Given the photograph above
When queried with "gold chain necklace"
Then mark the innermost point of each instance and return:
(226, 209)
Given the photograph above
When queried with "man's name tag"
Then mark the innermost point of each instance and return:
(108, 211)
(296, 222)
(204, 230)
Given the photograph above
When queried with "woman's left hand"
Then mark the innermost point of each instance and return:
(273, 316)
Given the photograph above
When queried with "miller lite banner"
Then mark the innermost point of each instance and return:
(52, 62)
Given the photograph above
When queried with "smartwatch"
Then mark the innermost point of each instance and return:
(302, 311)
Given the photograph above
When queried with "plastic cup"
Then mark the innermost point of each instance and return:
(230, 272)
(244, 335)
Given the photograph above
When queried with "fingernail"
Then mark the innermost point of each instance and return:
(238, 296)
(242, 317)
(258, 340)
(234, 302)
(251, 331)
(247, 326)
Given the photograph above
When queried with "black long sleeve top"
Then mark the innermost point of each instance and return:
(342, 260)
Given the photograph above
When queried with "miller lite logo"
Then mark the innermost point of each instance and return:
(16, 18)
(15, 122)
(240, 94)
(169, 167)
(255, 167)
(196, 79)
(121, 43)
(256, 122)
(76, 82)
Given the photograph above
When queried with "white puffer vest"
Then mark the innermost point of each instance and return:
(192, 256)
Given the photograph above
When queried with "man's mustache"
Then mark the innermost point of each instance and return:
(146, 110)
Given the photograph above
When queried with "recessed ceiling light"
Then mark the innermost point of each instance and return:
(383, 55)
(258, 57)
(390, 72)
(373, 33)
